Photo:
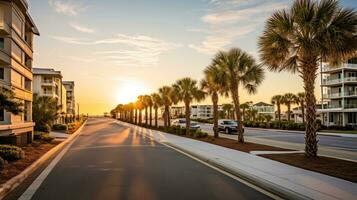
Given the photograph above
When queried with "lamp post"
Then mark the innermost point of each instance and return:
(78, 110)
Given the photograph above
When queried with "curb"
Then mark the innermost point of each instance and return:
(251, 178)
(11, 184)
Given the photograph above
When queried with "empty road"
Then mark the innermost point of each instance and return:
(110, 161)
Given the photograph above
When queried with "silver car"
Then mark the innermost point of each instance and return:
(182, 123)
(228, 126)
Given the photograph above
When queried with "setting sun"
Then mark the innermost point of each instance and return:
(129, 91)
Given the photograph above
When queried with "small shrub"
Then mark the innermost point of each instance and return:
(11, 153)
(2, 163)
(36, 143)
(59, 127)
(43, 128)
(47, 138)
(198, 134)
(38, 135)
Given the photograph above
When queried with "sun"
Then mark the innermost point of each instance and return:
(129, 91)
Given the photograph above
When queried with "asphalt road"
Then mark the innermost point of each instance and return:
(109, 161)
(344, 143)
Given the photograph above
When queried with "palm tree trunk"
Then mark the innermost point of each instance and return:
(146, 115)
(289, 112)
(140, 116)
(150, 112)
(303, 111)
(235, 96)
(279, 114)
(168, 116)
(156, 117)
(308, 76)
(136, 116)
(215, 114)
(187, 115)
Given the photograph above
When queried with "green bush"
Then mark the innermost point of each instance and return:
(2, 163)
(47, 138)
(43, 128)
(198, 134)
(38, 135)
(59, 127)
(11, 153)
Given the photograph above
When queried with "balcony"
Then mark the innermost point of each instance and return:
(350, 79)
(329, 68)
(350, 106)
(333, 95)
(331, 81)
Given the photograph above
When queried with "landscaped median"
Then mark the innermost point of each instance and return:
(284, 180)
(23, 161)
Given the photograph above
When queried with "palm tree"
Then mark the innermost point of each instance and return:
(240, 70)
(227, 109)
(187, 90)
(288, 99)
(157, 102)
(278, 101)
(300, 100)
(214, 84)
(140, 106)
(245, 106)
(44, 111)
(297, 40)
(147, 102)
(167, 96)
(8, 103)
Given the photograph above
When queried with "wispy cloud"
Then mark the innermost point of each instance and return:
(67, 8)
(130, 50)
(81, 28)
(229, 20)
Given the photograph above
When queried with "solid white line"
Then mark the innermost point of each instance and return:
(28, 194)
(265, 192)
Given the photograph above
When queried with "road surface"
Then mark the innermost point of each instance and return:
(110, 161)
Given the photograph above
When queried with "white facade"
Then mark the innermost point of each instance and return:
(264, 108)
(70, 101)
(339, 93)
(16, 56)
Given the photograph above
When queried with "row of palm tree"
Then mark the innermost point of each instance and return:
(288, 100)
(228, 71)
(295, 40)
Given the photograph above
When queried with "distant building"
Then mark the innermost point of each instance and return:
(264, 108)
(48, 82)
(70, 101)
(339, 93)
(296, 114)
(197, 111)
(17, 31)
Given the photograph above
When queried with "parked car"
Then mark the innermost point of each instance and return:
(182, 123)
(228, 126)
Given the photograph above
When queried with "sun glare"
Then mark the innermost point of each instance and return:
(129, 91)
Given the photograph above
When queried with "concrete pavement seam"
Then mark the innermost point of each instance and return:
(17, 180)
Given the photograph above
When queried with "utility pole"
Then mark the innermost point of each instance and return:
(78, 110)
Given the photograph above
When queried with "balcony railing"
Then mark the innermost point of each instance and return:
(350, 79)
(350, 106)
(331, 81)
(344, 65)
(333, 95)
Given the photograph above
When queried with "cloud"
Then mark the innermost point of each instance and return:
(81, 28)
(229, 20)
(130, 50)
(66, 8)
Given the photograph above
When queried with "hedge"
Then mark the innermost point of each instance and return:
(11, 153)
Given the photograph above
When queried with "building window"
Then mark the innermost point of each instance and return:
(2, 114)
(2, 43)
(2, 76)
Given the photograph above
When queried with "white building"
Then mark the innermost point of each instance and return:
(48, 82)
(197, 111)
(264, 108)
(70, 101)
(339, 93)
(17, 31)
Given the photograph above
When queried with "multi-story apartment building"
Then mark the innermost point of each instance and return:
(339, 94)
(264, 108)
(48, 82)
(197, 111)
(17, 31)
(70, 101)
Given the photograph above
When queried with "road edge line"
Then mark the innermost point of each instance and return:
(11, 184)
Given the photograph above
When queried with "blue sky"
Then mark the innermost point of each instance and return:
(116, 49)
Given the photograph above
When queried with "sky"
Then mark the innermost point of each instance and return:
(115, 50)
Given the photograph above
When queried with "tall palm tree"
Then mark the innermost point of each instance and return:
(157, 103)
(300, 100)
(214, 84)
(240, 70)
(140, 105)
(278, 101)
(187, 90)
(245, 106)
(288, 100)
(44, 111)
(146, 103)
(298, 39)
(167, 96)
(150, 103)
(227, 109)
(8, 103)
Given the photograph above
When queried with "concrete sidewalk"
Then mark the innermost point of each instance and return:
(285, 180)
